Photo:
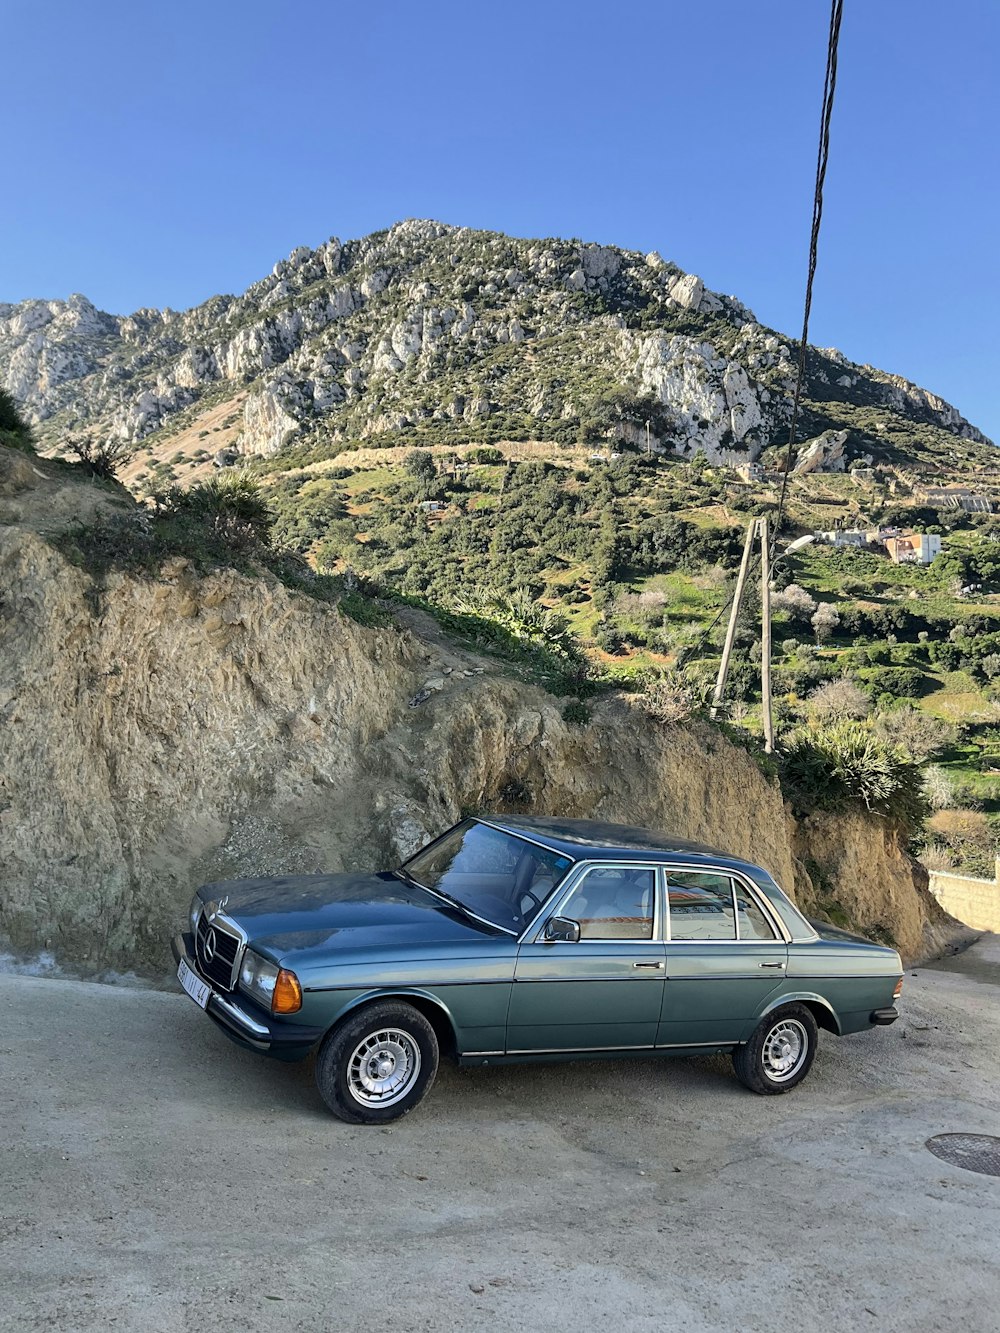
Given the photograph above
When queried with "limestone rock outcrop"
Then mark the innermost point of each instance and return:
(348, 339)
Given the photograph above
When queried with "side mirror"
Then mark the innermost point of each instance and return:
(563, 929)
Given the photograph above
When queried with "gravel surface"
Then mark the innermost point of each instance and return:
(153, 1176)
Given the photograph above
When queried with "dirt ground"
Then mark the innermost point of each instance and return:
(154, 1177)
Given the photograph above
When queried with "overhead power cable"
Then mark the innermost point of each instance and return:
(822, 159)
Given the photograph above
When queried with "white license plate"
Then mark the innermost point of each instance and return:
(194, 986)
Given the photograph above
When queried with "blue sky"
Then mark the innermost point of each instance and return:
(157, 155)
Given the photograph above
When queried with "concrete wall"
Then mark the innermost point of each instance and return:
(974, 901)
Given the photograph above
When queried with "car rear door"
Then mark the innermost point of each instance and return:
(605, 991)
(726, 956)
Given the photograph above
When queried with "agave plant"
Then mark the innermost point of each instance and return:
(830, 766)
(522, 617)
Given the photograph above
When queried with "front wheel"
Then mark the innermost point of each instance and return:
(378, 1064)
(780, 1052)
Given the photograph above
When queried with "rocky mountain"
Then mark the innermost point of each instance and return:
(428, 331)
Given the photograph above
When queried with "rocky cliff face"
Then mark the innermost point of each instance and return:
(429, 323)
(160, 732)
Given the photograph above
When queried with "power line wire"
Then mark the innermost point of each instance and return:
(822, 159)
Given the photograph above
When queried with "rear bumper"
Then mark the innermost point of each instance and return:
(247, 1024)
(883, 1017)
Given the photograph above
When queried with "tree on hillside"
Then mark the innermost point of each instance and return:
(824, 621)
(14, 430)
(419, 463)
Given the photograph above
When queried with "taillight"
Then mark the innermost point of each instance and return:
(899, 989)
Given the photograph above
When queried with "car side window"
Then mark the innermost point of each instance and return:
(701, 905)
(751, 921)
(613, 903)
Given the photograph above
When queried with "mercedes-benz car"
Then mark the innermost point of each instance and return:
(513, 939)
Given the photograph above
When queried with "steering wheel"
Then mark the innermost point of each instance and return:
(536, 902)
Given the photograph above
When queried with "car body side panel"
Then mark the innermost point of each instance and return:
(592, 994)
(473, 990)
(854, 977)
(714, 988)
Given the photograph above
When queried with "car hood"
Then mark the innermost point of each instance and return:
(300, 916)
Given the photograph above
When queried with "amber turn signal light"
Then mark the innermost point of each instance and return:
(895, 994)
(287, 997)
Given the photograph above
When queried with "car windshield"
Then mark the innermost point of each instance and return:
(499, 877)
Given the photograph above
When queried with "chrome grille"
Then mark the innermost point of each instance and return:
(219, 950)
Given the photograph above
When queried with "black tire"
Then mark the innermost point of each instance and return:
(757, 1063)
(357, 1084)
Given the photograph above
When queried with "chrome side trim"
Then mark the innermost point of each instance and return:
(597, 981)
(585, 1050)
(574, 1050)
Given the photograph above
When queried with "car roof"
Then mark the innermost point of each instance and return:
(590, 839)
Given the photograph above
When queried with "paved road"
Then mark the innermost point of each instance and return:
(153, 1177)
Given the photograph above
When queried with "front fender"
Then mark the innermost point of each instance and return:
(792, 997)
(397, 993)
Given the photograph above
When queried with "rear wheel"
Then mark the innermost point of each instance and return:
(378, 1064)
(780, 1052)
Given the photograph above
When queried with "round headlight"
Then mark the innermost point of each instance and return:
(258, 977)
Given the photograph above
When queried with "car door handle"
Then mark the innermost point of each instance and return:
(657, 966)
(770, 965)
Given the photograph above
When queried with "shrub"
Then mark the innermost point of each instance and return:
(835, 766)
(101, 457)
(233, 505)
(916, 733)
(576, 712)
(670, 698)
(838, 699)
(939, 787)
(969, 838)
(15, 432)
(897, 682)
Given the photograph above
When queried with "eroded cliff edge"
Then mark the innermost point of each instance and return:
(181, 728)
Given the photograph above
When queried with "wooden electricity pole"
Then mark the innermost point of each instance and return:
(727, 651)
(765, 639)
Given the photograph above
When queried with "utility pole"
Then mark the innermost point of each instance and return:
(765, 639)
(727, 650)
(648, 449)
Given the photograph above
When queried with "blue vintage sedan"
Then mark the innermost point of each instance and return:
(510, 939)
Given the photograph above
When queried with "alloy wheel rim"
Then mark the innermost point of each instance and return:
(785, 1049)
(382, 1067)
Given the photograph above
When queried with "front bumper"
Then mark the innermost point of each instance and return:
(247, 1024)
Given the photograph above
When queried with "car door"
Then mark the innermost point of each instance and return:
(725, 957)
(603, 991)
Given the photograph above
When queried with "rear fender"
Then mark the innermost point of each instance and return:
(823, 1010)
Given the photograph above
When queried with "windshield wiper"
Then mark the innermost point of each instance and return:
(454, 902)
